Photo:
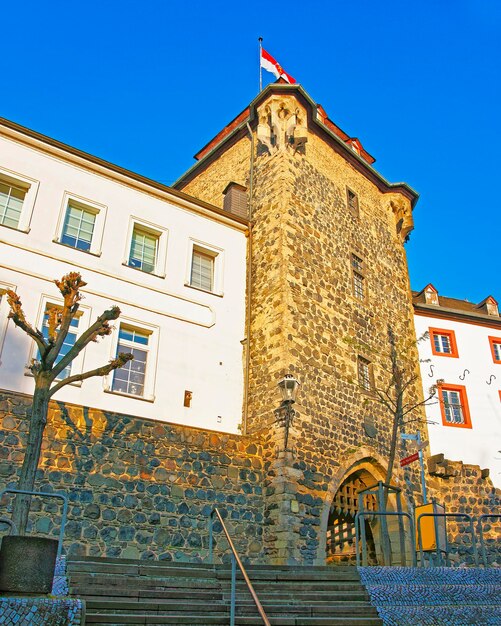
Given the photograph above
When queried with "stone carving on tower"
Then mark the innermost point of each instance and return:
(281, 126)
(402, 210)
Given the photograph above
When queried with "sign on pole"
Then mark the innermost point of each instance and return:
(409, 459)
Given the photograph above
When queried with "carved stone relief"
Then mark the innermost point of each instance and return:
(281, 126)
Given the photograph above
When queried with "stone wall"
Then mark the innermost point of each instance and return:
(467, 489)
(137, 488)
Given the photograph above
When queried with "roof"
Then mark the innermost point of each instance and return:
(15, 131)
(350, 147)
(455, 308)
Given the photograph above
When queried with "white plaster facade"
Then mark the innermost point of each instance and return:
(474, 369)
(194, 335)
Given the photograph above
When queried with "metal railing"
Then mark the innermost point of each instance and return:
(235, 560)
(445, 549)
(481, 533)
(44, 494)
(360, 530)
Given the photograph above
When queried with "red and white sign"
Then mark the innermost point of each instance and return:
(269, 64)
(409, 459)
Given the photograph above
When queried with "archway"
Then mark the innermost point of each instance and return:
(340, 535)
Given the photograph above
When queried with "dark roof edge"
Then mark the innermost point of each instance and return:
(285, 87)
(118, 169)
(455, 314)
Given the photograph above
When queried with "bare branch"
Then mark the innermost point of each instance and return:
(104, 370)
(100, 328)
(17, 315)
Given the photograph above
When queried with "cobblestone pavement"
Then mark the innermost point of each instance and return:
(441, 596)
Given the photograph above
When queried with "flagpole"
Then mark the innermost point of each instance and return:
(260, 68)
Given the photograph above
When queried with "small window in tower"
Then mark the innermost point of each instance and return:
(352, 201)
(358, 276)
(365, 374)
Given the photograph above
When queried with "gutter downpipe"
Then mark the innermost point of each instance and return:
(249, 286)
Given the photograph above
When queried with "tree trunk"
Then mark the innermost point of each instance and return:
(32, 455)
(397, 419)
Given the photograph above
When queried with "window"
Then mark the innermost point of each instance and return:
(78, 227)
(143, 250)
(365, 374)
(81, 224)
(130, 378)
(357, 267)
(202, 270)
(11, 204)
(17, 197)
(146, 247)
(454, 406)
(352, 202)
(205, 264)
(69, 340)
(443, 342)
(495, 343)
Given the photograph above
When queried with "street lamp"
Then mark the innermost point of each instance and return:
(285, 414)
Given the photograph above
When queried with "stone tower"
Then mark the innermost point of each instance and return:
(329, 296)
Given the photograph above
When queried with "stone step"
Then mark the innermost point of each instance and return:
(223, 619)
(142, 569)
(149, 608)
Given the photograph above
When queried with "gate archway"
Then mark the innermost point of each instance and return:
(340, 536)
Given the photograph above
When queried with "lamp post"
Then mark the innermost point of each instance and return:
(285, 414)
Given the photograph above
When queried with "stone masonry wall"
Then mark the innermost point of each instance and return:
(466, 489)
(307, 321)
(137, 488)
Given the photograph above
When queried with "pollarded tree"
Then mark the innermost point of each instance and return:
(48, 367)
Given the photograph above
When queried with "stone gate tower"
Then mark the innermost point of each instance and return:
(329, 296)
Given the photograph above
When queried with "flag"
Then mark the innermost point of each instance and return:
(269, 64)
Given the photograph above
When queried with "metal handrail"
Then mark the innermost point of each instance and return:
(361, 515)
(480, 527)
(44, 494)
(236, 559)
(463, 516)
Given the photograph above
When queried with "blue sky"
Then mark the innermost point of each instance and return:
(147, 84)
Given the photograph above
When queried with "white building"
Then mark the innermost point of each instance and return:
(464, 351)
(174, 265)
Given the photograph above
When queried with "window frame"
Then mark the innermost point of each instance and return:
(461, 389)
(161, 233)
(354, 210)
(492, 342)
(370, 370)
(151, 363)
(98, 209)
(30, 186)
(359, 271)
(84, 322)
(452, 342)
(4, 312)
(217, 254)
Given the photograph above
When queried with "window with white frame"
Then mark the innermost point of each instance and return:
(78, 227)
(17, 197)
(147, 247)
(11, 204)
(69, 340)
(79, 323)
(81, 224)
(454, 406)
(136, 377)
(4, 310)
(143, 250)
(205, 268)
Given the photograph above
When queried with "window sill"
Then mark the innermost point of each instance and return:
(212, 293)
(138, 269)
(60, 243)
(450, 425)
(19, 230)
(130, 395)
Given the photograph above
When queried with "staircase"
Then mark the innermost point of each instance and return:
(121, 591)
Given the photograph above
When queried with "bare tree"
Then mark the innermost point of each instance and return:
(47, 368)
